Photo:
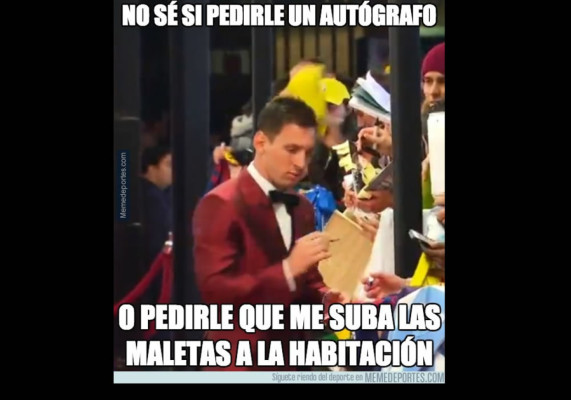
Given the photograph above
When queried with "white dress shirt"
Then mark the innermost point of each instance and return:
(282, 216)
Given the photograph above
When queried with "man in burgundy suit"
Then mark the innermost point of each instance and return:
(254, 236)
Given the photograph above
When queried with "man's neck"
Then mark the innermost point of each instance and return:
(151, 180)
(262, 171)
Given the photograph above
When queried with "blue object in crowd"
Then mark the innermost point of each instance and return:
(324, 205)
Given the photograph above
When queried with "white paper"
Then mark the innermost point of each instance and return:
(382, 257)
(381, 96)
(433, 229)
(435, 126)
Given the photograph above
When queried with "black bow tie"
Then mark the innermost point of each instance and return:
(290, 200)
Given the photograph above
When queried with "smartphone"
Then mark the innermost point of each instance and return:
(422, 239)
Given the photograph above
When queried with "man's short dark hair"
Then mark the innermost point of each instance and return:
(153, 156)
(283, 111)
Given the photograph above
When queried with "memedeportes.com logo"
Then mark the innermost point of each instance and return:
(123, 185)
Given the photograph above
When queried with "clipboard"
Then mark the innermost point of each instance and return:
(350, 255)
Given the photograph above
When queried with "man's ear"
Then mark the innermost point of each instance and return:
(259, 141)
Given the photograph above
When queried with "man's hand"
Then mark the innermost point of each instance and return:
(350, 198)
(435, 253)
(218, 153)
(370, 227)
(383, 285)
(364, 156)
(308, 251)
(380, 199)
(380, 136)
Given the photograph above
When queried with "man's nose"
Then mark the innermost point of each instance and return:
(435, 90)
(299, 160)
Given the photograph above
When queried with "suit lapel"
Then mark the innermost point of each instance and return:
(258, 212)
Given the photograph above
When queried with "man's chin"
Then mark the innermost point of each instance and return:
(435, 101)
(289, 181)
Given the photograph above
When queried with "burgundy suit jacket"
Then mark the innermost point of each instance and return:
(238, 257)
